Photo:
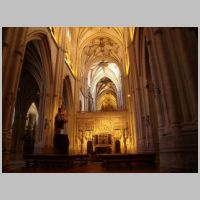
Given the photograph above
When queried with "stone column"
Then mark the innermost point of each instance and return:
(187, 49)
(6, 145)
(47, 128)
(177, 147)
(7, 43)
(132, 100)
(13, 54)
(156, 90)
(180, 78)
(58, 84)
(137, 98)
(157, 84)
(58, 76)
(166, 69)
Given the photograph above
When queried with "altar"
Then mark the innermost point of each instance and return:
(103, 143)
(101, 149)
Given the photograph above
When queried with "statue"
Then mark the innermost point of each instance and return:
(60, 120)
(61, 140)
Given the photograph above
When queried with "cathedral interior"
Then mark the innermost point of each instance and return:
(127, 93)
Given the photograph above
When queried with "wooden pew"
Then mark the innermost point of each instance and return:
(128, 159)
(48, 160)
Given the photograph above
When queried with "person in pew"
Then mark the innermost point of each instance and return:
(61, 140)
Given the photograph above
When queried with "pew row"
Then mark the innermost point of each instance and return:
(145, 159)
(52, 160)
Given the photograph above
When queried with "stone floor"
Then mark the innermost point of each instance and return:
(91, 167)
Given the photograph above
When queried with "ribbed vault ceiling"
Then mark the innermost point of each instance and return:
(97, 54)
(102, 53)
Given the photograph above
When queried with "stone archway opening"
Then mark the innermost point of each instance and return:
(31, 96)
(30, 129)
(105, 87)
(28, 91)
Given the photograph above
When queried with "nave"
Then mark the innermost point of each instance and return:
(100, 90)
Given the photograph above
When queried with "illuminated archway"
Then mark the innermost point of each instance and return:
(104, 78)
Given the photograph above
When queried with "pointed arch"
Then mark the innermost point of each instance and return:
(35, 85)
